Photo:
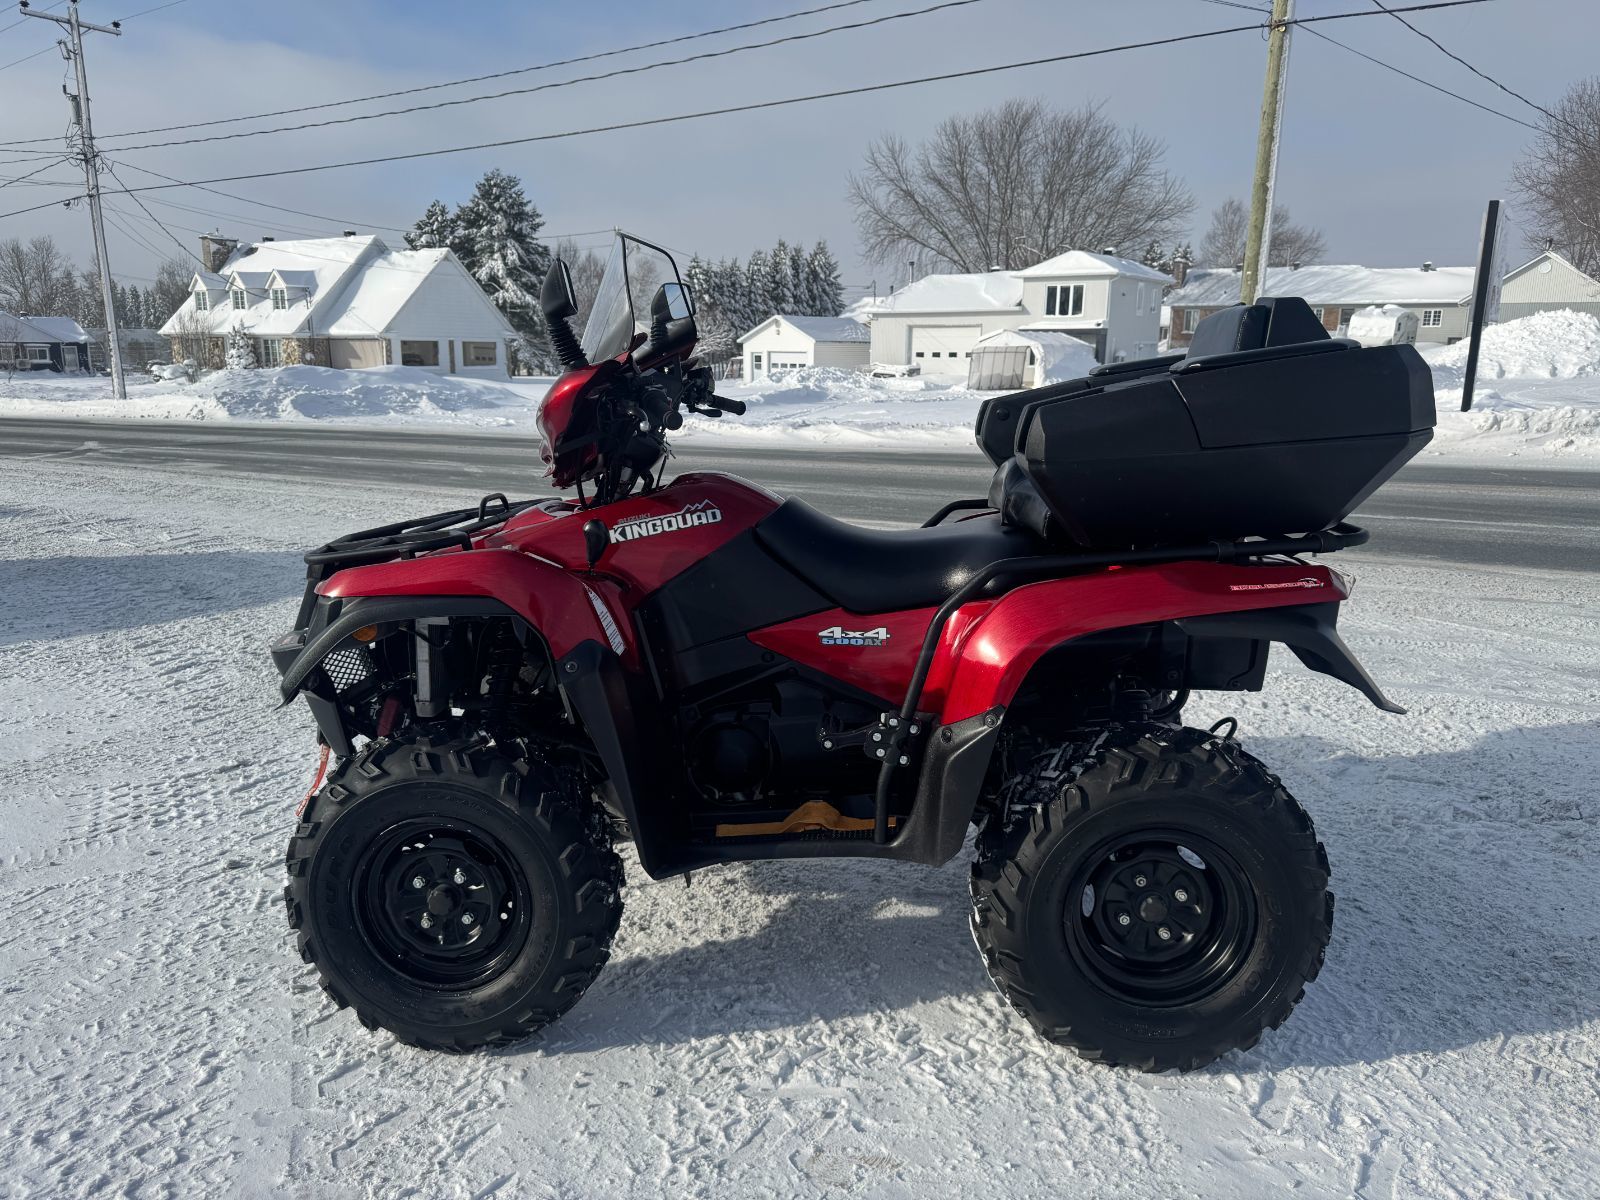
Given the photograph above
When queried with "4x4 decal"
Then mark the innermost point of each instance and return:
(702, 512)
(836, 635)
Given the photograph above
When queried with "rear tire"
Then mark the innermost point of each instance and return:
(451, 896)
(1154, 904)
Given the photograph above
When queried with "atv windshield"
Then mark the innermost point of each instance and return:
(621, 306)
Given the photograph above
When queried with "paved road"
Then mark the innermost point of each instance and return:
(1483, 515)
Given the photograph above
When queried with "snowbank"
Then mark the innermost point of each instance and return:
(283, 393)
(1546, 398)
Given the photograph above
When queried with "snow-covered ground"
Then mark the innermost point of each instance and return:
(781, 1029)
(1537, 400)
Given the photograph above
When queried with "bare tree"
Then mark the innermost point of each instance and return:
(1014, 185)
(586, 267)
(1558, 178)
(36, 277)
(170, 289)
(1224, 242)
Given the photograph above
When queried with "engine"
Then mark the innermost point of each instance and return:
(769, 747)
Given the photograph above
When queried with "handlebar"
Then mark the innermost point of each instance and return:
(736, 407)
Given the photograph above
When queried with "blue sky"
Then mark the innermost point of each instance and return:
(1392, 172)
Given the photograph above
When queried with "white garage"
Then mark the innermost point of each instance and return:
(943, 349)
(785, 343)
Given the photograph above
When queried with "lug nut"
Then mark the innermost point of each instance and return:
(904, 760)
(1124, 919)
(1164, 934)
(458, 876)
(1180, 896)
(419, 882)
(427, 921)
(466, 918)
(1138, 881)
(826, 745)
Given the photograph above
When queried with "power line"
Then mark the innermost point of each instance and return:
(758, 106)
(1387, 66)
(20, 20)
(564, 83)
(39, 171)
(1450, 54)
(258, 203)
(112, 170)
(146, 12)
(564, 62)
(16, 62)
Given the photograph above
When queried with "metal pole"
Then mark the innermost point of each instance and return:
(1259, 241)
(91, 180)
(1485, 298)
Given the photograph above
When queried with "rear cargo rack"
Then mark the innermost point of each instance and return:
(406, 539)
(1340, 537)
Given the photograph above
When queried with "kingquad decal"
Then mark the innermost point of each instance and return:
(703, 512)
(835, 635)
(1306, 581)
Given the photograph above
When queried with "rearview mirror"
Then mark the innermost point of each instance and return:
(670, 303)
(556, 298)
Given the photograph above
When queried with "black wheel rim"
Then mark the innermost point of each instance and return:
(1160, 918)
(443, 903)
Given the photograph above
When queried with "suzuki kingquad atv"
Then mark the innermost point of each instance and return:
(717, 674)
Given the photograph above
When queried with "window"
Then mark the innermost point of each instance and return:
(936, 354)
(478, 354)
(1139, 309)
(39, 354)
(272, 352)
(1432, 318)
(1064, 300)
(1321, 314)
(238, 297)
(1191, 318)
(419, 354)
(280, 298)
(201, 302)
(1345, 314)
(919, 353)
(755, 362)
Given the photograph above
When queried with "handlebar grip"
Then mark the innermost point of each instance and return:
(736, 407)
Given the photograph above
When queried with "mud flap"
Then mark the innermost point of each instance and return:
(948, 789)
(1310, 630)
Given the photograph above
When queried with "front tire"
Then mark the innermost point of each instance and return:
(1154, 904)
(451, 896)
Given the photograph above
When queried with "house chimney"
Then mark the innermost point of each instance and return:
(267, 237)
(1112, 250)
(1427, 266)
(1180, 271)
(215, 250)
(1549, 243)
(350, 233)
(1295, 265)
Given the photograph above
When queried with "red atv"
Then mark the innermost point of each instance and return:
(717, 674)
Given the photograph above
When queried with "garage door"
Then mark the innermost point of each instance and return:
(786, 361)
(943, 349)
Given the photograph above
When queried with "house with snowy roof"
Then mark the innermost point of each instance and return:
(1440, 296)
(343, 302)
(783, 342)
(30, 343)
(1112, 304)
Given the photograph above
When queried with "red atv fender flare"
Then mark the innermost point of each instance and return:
(566, 607)
(984, 661)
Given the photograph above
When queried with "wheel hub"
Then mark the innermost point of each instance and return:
(1160, 917)
(443, 902)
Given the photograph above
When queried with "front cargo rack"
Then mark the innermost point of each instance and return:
(406, 539)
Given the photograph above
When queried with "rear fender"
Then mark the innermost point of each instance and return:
(983, 665)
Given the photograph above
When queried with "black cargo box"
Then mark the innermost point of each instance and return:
(1275, 439)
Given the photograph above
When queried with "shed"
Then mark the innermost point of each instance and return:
(1009, 359)
(29, 343)
(784, 342)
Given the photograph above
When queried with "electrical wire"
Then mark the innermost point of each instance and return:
(758, 106)
(183, 246)
(564, 83)
(564, 62)
(1333, 41)
(20, 20)
(1452, 55)
(38, 171)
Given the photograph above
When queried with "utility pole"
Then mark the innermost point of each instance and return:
(1259, 242)
(91, 173)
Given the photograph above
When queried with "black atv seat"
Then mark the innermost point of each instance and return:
(874, 570)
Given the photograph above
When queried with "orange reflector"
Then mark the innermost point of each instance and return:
(366, 633)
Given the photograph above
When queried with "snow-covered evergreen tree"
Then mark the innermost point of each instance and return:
(437, 228)
(241, 350)
(499, 231)
(824, 292)
(757, 289)
(779, 297)
(1154, 255)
